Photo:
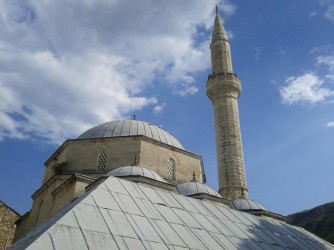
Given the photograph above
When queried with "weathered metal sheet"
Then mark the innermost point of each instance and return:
(167, 233)
(188, 237)
(114, 185)
(187, 219)
(152, 195)
(89, 218)
(169, 199)
(99, 241)
(146, 230)
(127, 204)
(117, 223)
(148, 209)
(168, 214)
(104, 199)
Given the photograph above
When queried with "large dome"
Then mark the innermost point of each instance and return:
(130, 128)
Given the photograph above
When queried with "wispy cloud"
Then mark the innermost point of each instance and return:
(257, 54)
(159, 108)
(330, 13)
(320, 49)
(187, 90)
(330, 124)
(313, 13)
(327, 61)
(307, 88)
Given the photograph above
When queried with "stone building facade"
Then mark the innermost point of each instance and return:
(7, 226)
(106, 147)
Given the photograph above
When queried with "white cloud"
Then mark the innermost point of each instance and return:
(330, 77)
(320, 49)
(228, 8)
(330, 124)
(187, 90)
(257, 54)
(305, 89)
(282, 52)
(159, 108)
(65, 65)
(330, 13)
(313, 13)
(327, 61)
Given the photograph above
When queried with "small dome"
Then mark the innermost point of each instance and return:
(130, 128)
(243, 204)
(194, 187)
(135, 171)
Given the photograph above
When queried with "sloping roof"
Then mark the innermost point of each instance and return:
(130, 128)
(120, 214)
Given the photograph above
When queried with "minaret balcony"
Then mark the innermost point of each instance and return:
(223, 84)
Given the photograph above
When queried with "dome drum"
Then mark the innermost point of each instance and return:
(117, 144)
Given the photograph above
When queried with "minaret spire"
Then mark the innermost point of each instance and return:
(223, 89)
(220, 61)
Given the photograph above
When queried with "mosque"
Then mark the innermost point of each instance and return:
(129, 184)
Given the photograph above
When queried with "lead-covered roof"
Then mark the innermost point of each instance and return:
(119, 214)
(131, 128)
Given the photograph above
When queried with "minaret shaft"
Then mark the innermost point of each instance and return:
(221, 57)
(223, 89)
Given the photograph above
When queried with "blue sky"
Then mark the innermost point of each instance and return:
(66, 66)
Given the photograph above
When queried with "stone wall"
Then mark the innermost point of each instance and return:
(7, 226)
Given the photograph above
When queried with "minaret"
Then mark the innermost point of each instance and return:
(224, 88)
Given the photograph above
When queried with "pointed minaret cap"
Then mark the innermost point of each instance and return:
(218, 29)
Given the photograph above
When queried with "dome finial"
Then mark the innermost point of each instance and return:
(217, 9)
(134, 117)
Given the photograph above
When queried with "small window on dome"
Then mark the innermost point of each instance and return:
(171, 169)
(102, 161)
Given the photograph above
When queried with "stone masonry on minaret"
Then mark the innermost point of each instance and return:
(223, 89)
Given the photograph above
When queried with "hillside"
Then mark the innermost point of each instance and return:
(318, 220)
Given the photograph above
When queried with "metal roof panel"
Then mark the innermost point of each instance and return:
(167, 233)
(188, 237)
(117, 223)
(97, 240)
(89, 218)
(146, 229)
(127, 204)
(104, 199)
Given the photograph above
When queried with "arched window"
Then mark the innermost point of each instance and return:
(171, 169)
(102, 161)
